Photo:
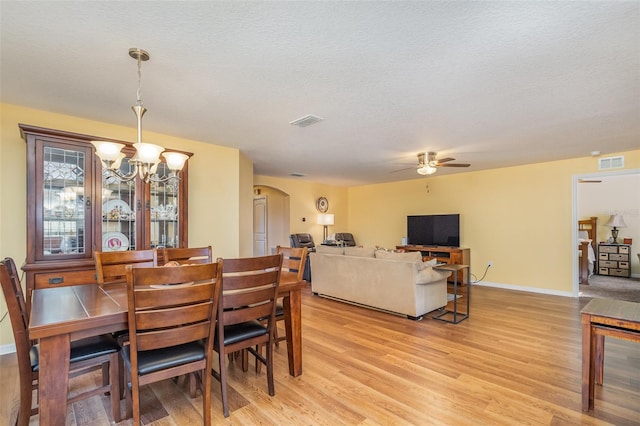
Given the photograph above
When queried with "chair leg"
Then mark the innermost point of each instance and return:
(26, 395)
(128, 398)
(115, 363)
(223, 383)
(270, 384)
(206, 396)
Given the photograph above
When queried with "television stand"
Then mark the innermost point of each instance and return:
(448, 255)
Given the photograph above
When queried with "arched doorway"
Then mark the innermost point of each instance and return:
(270, 219)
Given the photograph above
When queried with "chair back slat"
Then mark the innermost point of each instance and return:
(172, 317)
(172, 337)
(294, 259)
(253, 279)
(188, 255)
(111, 266)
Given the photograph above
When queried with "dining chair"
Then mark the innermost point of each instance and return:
(172, 315)
(249, 291)
(188, 255)
(111, 265)
(87, 355)
(294, 260)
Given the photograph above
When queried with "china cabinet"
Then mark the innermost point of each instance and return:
(75, 207)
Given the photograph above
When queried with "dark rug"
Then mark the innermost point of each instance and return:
(606, 287)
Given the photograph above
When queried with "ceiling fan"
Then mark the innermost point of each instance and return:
(427, 163)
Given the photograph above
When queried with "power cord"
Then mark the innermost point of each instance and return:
(483, 275)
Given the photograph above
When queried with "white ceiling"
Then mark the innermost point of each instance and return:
(493, 84)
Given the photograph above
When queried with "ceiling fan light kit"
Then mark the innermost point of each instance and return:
(427, 163)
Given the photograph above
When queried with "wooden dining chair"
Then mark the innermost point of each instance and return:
(172, 315)
(188, 255)
(87, 355)
(111, 265)
(249, 291)
(293, 263)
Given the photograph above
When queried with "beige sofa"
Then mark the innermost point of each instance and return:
(396, 282)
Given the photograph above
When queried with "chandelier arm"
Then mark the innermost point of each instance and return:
(123, 176)
(154, 178)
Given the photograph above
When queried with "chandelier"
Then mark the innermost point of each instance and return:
(147, 157)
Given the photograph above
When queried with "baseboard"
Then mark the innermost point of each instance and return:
(7, 349)
(525, 288)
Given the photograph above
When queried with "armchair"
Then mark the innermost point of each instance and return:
(304, 240)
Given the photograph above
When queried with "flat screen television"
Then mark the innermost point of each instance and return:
(434, 230)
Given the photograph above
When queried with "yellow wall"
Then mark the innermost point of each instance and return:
(520, 218)
(303, 196)
(220, 184)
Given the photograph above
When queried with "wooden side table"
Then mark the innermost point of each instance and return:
(447, 314)
(600, 318)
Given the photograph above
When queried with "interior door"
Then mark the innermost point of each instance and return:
(260, 221)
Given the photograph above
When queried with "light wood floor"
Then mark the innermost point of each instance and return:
(517, 360)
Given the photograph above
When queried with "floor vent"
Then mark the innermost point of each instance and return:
(611, 163)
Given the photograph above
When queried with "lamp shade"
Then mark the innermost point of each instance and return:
(616, 221)
(325, 219)
(175, 160)
(107, 151)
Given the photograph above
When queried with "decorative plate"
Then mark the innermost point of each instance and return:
(114, 241)
(322, 204)
(116, 209)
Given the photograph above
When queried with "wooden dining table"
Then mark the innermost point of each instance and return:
(63, 314)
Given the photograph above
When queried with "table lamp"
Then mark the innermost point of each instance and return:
(326, 220)
(615, 222)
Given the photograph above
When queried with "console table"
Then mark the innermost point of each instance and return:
(457, 316)
(448, 255)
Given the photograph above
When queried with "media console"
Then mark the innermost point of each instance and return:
(448, 255)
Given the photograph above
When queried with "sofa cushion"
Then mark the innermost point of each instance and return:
(330, 250)
(359, 251)
(411, 256)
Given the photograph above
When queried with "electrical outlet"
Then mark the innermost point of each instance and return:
(489, 264)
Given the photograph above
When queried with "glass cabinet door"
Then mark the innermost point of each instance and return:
(164, 211)
(64, 202)
(121, 209)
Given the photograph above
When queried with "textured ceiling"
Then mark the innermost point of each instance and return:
(493, 84)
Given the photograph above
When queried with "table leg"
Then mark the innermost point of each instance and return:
(53, 380)
(599, 359)
(588, 353)
(293, 326)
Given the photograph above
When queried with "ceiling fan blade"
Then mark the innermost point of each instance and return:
(453, 165)
(403, 170)
(444, 160)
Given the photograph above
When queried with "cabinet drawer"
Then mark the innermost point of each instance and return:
(619, 257)
(608, 264)
(619, 272)
(608, 249)
(623, 249)
(623, 265)
(64, 278)
(603, 256)
(603, 271)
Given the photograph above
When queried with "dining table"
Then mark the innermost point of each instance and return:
(63, 314)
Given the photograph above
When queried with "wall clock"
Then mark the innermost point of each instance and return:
(322, 205)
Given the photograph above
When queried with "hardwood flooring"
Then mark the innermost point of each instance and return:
(516, 360)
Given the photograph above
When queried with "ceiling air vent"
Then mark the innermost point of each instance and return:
(307, 120)
(611, 163)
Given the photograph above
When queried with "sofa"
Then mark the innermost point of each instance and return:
(399, 283)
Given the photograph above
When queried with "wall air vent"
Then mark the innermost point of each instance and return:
(611, 163)
(307, 120)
